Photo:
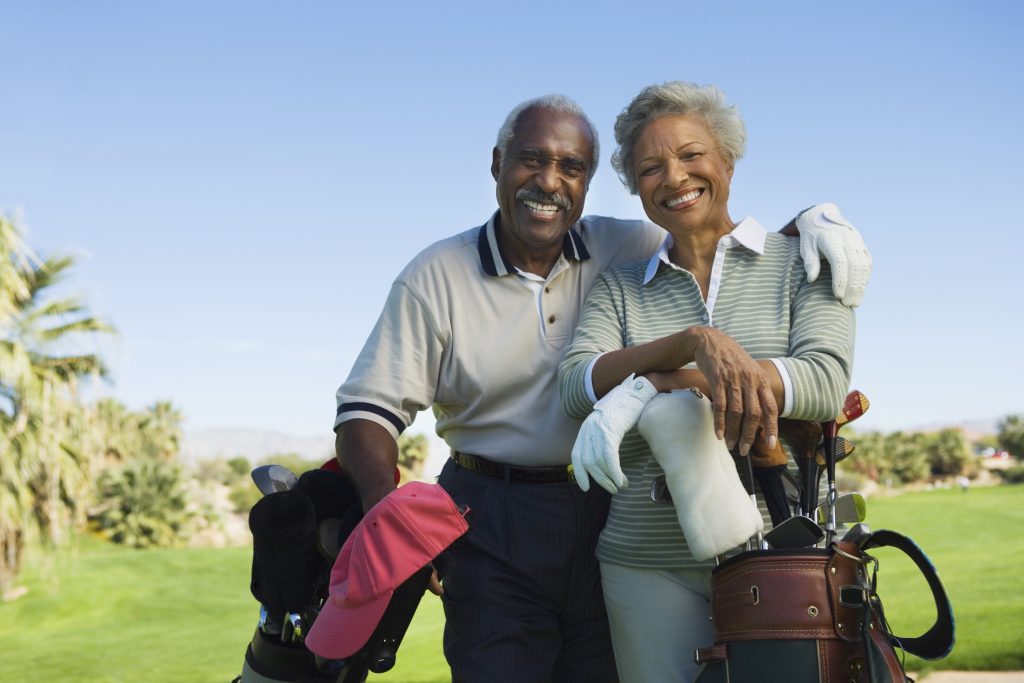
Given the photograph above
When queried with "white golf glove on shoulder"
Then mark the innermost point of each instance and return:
(596, 452)
(823, 229)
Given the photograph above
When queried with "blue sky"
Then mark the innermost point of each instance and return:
(241, 181)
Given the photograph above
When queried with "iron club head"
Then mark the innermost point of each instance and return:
(273, 478)
(795, 532)
(850, 508)
(660, 492)
(858, 534)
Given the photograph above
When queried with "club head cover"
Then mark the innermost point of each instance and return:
(714, 511)
(770, 480)
(332, 493)
(763, 456)
(285, 560)
(801, 435)
(334, 532)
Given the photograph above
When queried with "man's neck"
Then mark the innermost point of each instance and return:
(539, 260)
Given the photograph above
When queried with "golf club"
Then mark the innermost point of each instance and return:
(849, 508)
(753, 499)
(796, 532)
(660, 492)
(803, 437)
(793, 491)
(858, 534)
(855, 405)
(844, 448)
(273, 478)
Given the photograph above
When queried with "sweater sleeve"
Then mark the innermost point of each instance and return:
(599, 331)
(821, 349)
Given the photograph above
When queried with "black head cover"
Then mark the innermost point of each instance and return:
(285, 560)
(333, 494)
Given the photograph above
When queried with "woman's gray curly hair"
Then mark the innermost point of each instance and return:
(677, 98)
(559, 103)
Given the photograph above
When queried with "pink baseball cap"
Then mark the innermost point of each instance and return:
(399, 535)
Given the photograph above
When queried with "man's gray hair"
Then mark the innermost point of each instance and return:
(677, 98)
(559, 103)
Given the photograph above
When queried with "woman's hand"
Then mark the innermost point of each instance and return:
(739, 388)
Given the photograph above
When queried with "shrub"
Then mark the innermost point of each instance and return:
(1012, 475)
(144, 504)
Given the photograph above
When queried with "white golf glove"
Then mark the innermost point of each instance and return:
(823, 229)
(596, 452)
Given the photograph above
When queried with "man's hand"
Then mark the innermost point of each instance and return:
(596, 452)
(434, 585)
(740, 391)
(823, 229)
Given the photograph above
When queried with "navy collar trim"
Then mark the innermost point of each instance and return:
(494, 261)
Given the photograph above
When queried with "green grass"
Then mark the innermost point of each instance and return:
(976, 541)
(102, 614)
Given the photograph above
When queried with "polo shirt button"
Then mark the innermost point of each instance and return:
(551, 319)
(547, 290)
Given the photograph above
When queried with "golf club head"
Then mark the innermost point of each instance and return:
(795, 532)
(855, 405)
(660, 492)
(844, 447)
(851, 508)
(273, 479)
(858, 534)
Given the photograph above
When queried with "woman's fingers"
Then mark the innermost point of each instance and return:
(770, 415)
(741, 396)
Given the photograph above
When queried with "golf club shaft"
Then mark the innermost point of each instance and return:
(753, 497)
(829, 430)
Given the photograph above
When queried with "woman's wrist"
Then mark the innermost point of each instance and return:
(689, 342)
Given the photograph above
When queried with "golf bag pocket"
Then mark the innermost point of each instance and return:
(813, 614)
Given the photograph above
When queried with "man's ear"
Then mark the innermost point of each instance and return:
(495, 162)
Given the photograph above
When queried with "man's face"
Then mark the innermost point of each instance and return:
(542, 182)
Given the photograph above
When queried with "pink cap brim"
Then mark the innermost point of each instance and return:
(340, 633)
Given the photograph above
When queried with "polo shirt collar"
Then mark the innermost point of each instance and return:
(494, 261)
(748, 233)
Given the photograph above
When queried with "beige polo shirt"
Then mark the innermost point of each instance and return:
(465, 333)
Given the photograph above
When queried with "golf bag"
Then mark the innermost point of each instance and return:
(814, 614)
(299, 527)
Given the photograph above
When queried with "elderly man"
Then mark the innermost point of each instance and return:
(475, 327)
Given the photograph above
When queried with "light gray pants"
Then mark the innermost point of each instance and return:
(658, 618)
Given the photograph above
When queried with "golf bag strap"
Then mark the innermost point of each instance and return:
(714, 653)
(937, 641)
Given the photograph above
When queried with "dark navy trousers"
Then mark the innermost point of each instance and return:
(522, 593)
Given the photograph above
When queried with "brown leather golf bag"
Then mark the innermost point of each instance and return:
(814, 614)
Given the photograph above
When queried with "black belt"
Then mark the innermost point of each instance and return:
(523, 475)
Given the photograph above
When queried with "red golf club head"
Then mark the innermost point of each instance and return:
(855, 405)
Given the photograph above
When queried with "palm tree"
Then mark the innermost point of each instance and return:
(43, 481)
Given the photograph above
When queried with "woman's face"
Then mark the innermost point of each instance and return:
(682, 178)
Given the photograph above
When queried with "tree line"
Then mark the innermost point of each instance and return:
(67, 464)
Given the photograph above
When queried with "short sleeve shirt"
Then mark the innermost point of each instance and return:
(462, 332)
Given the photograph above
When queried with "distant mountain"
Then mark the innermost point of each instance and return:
(253, 444)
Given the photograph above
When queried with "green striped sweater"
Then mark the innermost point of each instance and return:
(763, 302)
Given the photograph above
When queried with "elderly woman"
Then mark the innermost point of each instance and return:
(722, 310)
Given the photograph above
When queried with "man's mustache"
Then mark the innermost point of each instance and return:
(535, 195)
